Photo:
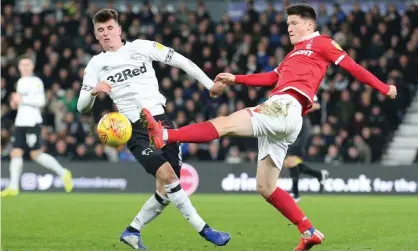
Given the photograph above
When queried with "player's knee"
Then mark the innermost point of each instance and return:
(16, 153)
(265, 190)
(166, 175)
(34, 154)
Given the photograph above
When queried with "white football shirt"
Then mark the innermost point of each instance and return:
(32, 92)
(130, 73)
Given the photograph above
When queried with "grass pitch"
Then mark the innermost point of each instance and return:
(91, 222)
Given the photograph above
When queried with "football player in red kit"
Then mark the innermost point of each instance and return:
(277, 122)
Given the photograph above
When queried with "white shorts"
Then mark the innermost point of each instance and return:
(277, 123)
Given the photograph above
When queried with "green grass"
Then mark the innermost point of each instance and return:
(91, 222)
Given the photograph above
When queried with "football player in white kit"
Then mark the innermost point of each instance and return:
(29, 99)
(124, 71)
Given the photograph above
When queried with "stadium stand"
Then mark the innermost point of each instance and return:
(355, 124)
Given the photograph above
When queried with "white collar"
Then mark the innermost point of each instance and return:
(315, 34)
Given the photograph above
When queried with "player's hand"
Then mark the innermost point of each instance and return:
(15, 98)
(392, 92)
(226, 78)
(13, 105)
(216, 89)
(103, 86)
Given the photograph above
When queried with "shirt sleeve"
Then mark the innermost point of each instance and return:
(363, 75)
(332, 51)
(166, 55)
(86, 100)
(259, 79)
(156, 51)
(19, 86)
(90, 78)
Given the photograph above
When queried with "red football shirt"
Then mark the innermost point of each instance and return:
(303, 69)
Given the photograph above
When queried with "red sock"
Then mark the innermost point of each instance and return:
(283, 202)
(195, 133)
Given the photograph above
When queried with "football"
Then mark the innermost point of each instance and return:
(114, 129)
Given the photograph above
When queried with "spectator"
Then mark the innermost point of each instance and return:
(345, 109)
(61, 150)
(328, 134)
(358, 123)
(352, 156)
(333, 156)
(314, 155)
(81, 153)
(99, 153)
(364, 151)
(233, 156)
(212, 153)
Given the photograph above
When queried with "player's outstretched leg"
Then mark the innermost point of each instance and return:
(16, 165)
(267, 175)
(51, 163)
(236, 124)
(179, 198)
(322, 175)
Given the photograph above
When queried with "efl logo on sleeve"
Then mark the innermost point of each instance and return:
(159, 46)
(87, 87)
(336, 45)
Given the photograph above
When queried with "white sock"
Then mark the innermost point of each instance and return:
(179, 198)
(51, 163)
(150, 210)
(16, 164)
(165, 135)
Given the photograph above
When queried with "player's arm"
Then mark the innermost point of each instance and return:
(87, 93)
(363, 75)
(259, 79)
(315, 106)
(264, 79)
(35, 98)
(333, 52)
(158, 52)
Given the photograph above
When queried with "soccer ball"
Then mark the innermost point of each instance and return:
(114, 129)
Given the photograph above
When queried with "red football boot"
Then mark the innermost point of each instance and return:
(308, 243)
(155, 129)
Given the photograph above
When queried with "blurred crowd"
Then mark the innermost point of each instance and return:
(353, 124)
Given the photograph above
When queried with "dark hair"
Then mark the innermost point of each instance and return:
(24, 56)
(302, 10)
(105, 15)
